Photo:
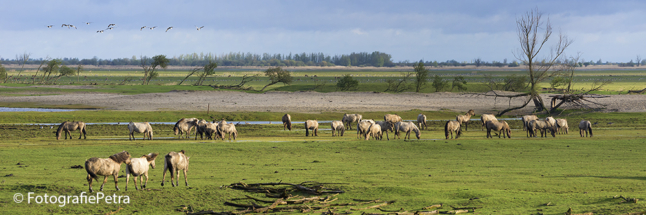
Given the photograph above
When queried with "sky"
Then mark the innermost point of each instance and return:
(408, 30)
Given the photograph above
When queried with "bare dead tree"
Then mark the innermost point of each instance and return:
(22, 59)
(533, 34)
(639, 60)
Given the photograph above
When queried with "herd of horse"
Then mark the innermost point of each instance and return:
(174, 162)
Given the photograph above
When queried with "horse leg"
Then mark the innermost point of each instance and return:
(177, 177)
(116, 184)
(80, 133)
(185, 179)
(89, 181)
(105, 179)
(128, 181)
(164, 174)
(142, 179)
(316, 132)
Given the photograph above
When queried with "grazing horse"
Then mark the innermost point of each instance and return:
(174, 162)
(374, 131)
(229, 129)
(465, 119)
(200, 128)
(185, 125)
(392, 119)
(421, 121)
(407, 127)
(105, 167)
(526, 119)
(140, 127)
(71, 126)
(585, 127)
(542, 126)
(348, 119)
(337, 126)
(501, 126)
(211, 129)
(561, 126)
(138, 167)
(385, 126)
(487, 117)
(311, 125)
(450, 127)
(287, 122)
(363, 127)
(551, 122)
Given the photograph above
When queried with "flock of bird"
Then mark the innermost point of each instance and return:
(112, 26)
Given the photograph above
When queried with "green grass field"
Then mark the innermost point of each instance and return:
(497, 176)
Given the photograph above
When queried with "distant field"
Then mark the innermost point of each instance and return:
(497, 176)
(370, 80)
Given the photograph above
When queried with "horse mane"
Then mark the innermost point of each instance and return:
(120, 157)
(150, 157)
(60, 128)
(182, 151)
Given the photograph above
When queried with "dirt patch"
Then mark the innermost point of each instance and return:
(307, 102)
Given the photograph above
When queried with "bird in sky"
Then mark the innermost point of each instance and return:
(72, 26)
(142, 28)
(99, 31)
(153, 28)
(50, 26)
(63, 25)
(171, 27)
(110, 28)
(110, 25)
(198, 28)
(87, 23)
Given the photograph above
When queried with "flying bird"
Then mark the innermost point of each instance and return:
(100, 31)
(87, 23)
(109, 28)
(171, 27)
(50, 26)
(63, 25)
(142, 28)
(152, 28)
(198, 28)
(72, 26)
(110, 25)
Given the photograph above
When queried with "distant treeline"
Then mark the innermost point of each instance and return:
(360, 59)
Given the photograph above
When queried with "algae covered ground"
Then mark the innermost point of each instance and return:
(496, 176)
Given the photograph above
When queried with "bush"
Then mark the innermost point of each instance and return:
(439, 83)
(515, 83)
(460, 83)
(346, 83)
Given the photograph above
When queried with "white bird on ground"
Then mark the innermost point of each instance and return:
(171, 27)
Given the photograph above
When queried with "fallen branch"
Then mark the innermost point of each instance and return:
(373, 207)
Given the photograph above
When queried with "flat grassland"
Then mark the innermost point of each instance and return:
(497, 176)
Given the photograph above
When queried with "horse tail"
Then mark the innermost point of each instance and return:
(169, 165)
(446, 129)
(590, 129)
(289, 125)
(83, 129)
(92, 174)
(307, 130)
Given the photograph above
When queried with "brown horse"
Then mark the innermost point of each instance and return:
(71, 126)
(174, 162)
(337, 126)
(105, 167)
(585, 127)
(138, 167)
(487, 117)
(501, 126)
(450, 127)
(465, 119)
(311, 125)
(287, 122)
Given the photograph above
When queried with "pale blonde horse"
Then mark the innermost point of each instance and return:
(143, 127)
(562, 127)
(138, 167)
(312, 125)
(174, 162)
(363, 127)
(526, 119)
(501, 126)
(407, 127)
(465, 119)
(71, 126)
(337, 126)
(211, 129)
(287, 122)
(224, 128)
(105, 167)
(375, 132)
(421, 121)
(392, 119)
(487, 117)
(542, 126)
(385, 126)
(450, 127)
